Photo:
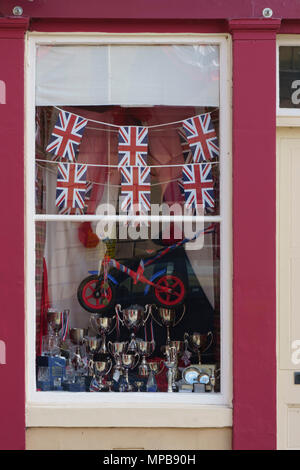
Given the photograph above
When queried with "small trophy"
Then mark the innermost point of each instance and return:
(145, 349)
(92, 346)
(199, 343)
(103, 326)
(116, 349)
(102, 367)
(77, 337)
(133, 318)
(129, 361)
(168, 319)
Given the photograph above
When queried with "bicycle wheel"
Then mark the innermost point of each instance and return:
(92, 295)
(170, 299)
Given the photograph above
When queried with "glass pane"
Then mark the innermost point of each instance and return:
(111, 310)
(289, 76)
(168, 149)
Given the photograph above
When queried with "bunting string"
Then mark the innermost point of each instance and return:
(117, 126)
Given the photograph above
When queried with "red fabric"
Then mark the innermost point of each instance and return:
(44, 304)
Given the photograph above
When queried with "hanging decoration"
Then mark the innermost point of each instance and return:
(198, 186)
(135, 189)
(70, 186)
(132, 146)
(66, 136)
(78, 210)
(202, 137)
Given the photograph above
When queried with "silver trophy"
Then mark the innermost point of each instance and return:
(168, 318)
(133, 318)
(101, 368)
(77, 338)
(103, 326)
(145, 349)
(198, 342)
(116, 349)
(54, 318)
(171, 364)
(92, 346)
(129, 361)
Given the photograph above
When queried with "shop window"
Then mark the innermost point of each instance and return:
(127, 293)
(289, 73)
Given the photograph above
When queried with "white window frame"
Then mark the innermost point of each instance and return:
(131, 409)
(285, 40)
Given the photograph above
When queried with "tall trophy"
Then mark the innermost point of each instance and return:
(103, 326)
(133, 318)
(168, 318)
(171, 364)
(57, 321)
(198, 343)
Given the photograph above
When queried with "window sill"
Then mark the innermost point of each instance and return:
(128, 415)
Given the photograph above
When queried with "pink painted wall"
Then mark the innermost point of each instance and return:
(12, 388)
(254, 229)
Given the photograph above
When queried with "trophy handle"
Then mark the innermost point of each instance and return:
(161, 365)
(109, 348)
(211, 340)
(149, 308)
(152, 315)
(118, 311)
(110, 361)
(153, 345)
(182, 315)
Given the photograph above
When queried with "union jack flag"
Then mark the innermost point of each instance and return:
(133, 146)
(202, 138)
(135, 189)
(198, 185)
(70, 186)
(66, 136)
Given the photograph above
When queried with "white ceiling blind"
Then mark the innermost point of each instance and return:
(128, 75)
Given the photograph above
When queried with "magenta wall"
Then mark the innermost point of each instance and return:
(254, 132)
(12, 388)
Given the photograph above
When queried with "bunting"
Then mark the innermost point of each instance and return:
(202, 138)
(132, 146)
(66, 136)
(198, 186)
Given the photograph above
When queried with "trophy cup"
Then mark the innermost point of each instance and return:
(138, 385)
(54, 318)
(168, 319)
(145, 349)
(129, 361)
(116, 349)
(102, 367)
(92, 346)
(198, 343)
(77, 336)
(133, 318)
(171, 364)
(103, 326)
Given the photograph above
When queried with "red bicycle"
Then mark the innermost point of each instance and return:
(97, 292)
